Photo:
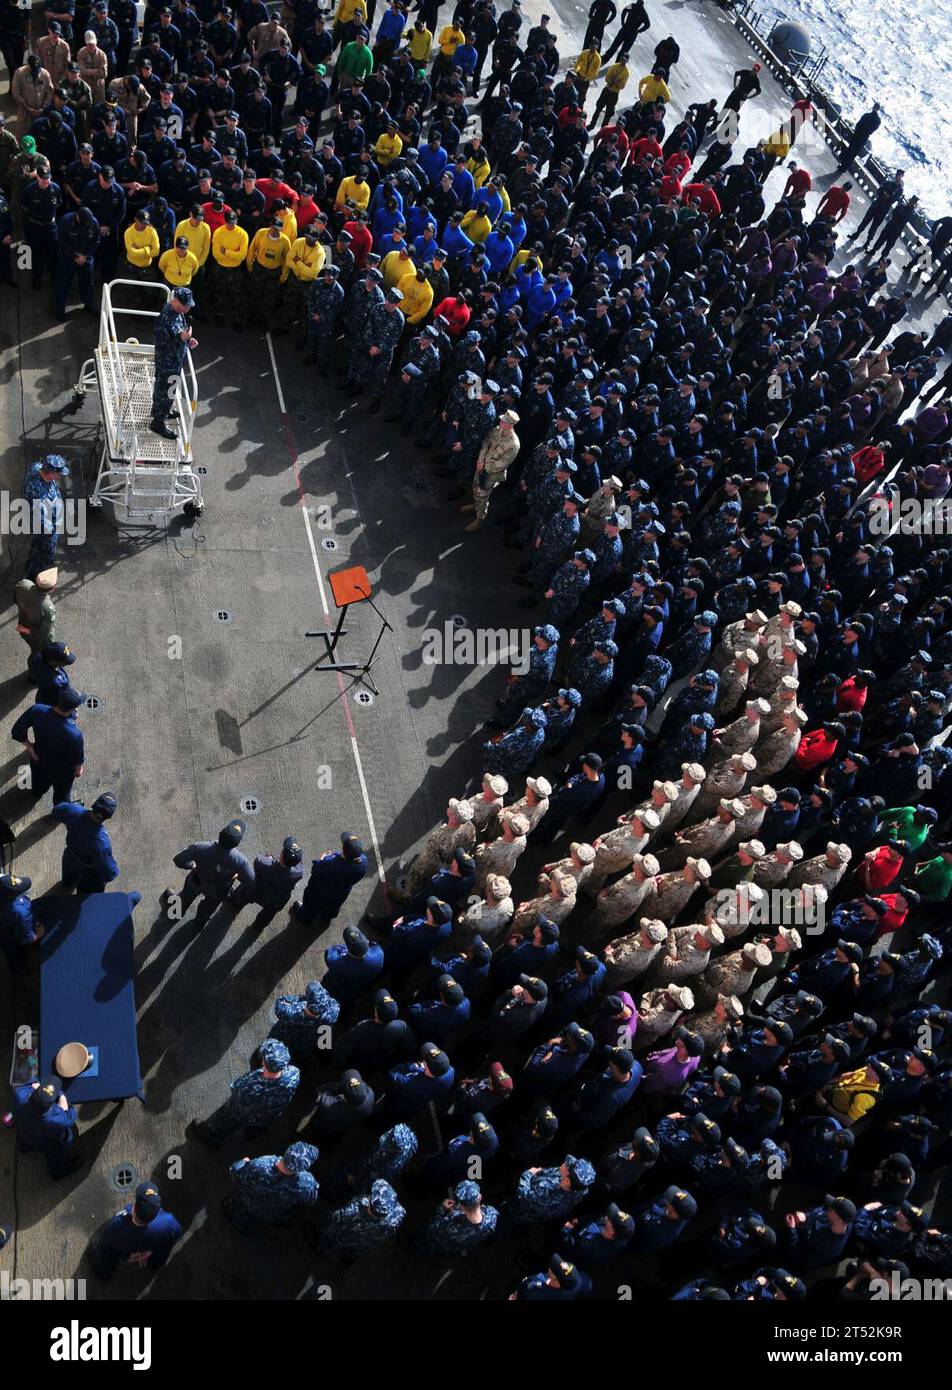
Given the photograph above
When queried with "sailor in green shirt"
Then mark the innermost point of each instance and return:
(910, 824)
(934, 878)
(356, 60)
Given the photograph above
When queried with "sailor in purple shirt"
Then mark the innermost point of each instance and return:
(616, 1022)
(931, 422)
(669, 1068)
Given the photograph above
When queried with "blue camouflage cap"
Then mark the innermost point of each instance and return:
(412, 370)
(587, 555)
(707, 618)
(566, 465)
(316, 997)
(184, 296)
(57, 464)
(467, 1193)
(702, 721)
(615, 605)
(300, 1157)
(547, 632)
(534, 716)
(274, 1054)
(571, 696)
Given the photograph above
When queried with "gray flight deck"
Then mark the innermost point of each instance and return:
(196, 714)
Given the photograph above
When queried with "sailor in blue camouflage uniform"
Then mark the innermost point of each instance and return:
(517, 750)
(270, 1187)
(41, 490)
(303, 1021)
(88, 863)
(568, 587)
(599, 1241)
(562, 1282)
(363, 1224)
(173, 337)
(460, 1224)
(593, 674)
(325, 304)
(274, 882)
(387, 1157)
(686, 653)
(213, 868)
(609, 550)
(600, 628)
(547, 1194)
(364, 295)
(524, 690)
(545, 498)
(256, 1099)
(142, 1235)
(549, 547)
(411, 389)
(373, 356)
(688, 745)
(18, 929)
(560, 712)
(477, 417)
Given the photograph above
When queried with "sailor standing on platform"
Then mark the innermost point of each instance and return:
(172, 337)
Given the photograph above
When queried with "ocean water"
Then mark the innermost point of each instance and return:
(899, 53)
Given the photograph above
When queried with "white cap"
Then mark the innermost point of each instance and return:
(496, 784)
(657, 930)
(540, 785)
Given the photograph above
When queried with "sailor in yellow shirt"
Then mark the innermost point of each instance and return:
(476, 223)
(352, 12)
(197, 233)
(353, 192)
(266, 256)
(852, 1095)
(178, 265)
(199, 237)
(228, 280)
(304, 264)
(142, 247)
(449, 40)
(419, 42)
(478, 165)
(616, 80)
(586, 70)
(388, 146)
(281, 212)
(417, 296)
(395, 265)
(654, 87)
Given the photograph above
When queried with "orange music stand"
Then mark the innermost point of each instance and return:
(350, 586)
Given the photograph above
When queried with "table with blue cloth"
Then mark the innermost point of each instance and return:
(87, 991)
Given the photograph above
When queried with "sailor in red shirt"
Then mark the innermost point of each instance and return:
(624, 143)
(679, 162)
(799, 182)
(307, 210)
(869, 461)
(361, 239)
(898, 907)
(670, 188)
(818, 746)
(645, 148)
(275, 187)
(880, 867)
(456, 312)
(704, 195)
(835, 203)
(851, 694)
(214, 211)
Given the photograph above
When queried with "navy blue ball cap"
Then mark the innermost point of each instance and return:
(70, 698)
(105, 805)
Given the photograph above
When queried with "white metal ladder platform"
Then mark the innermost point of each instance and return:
(141, 475)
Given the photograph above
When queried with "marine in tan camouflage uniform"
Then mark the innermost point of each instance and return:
(630, 956)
